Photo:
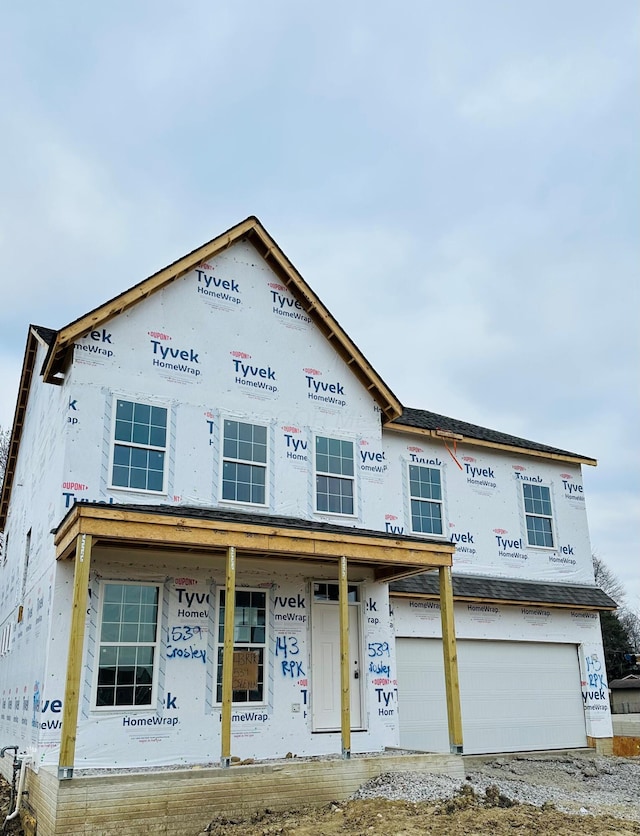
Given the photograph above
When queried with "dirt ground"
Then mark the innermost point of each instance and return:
(460, 817)
(467, 814)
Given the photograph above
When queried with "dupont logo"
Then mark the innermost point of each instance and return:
(209, 414)
(390, 517)
(311, 371)
(279, 287)
(500, 531)
(158, 335)
(519, 468)
(74, 486)
(291, 430)
(240, 355)
(468, 459)
(415, 449)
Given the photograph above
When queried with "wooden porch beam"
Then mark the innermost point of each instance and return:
(345, 668)
(227, 656)
(451, 680)
(74, 661)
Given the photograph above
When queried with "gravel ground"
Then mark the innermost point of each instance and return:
(585, 784)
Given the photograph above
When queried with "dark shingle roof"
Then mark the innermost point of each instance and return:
(271, 520)
(499, 589)
(631, 681)
(46, 334)
(424, 420)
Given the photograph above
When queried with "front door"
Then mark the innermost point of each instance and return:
(325, 658)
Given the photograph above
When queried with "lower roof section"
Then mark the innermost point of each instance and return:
(503, 591)
(262, 536)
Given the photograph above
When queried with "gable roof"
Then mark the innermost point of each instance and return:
(507, 591)
(249, 230)
(439, 426)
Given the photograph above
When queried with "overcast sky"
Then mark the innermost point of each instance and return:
(458, 181)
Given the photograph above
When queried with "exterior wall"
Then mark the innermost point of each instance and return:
(252, 355)
(184, 725)
(416, 618)
(25, 581)
(484, 511)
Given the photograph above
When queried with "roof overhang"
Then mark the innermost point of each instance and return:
(459, 438)
(250, 230)
(390, 558)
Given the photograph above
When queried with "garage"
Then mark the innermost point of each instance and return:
(515, 696)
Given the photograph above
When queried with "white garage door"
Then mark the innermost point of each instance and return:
(515, 696)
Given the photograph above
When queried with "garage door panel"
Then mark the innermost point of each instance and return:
(514, 696)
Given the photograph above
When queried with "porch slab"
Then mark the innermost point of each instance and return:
(181, 802)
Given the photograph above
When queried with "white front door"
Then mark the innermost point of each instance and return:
(325, 662)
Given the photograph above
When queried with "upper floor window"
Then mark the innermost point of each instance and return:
(425, 490)
(249, 645)
(139, 447)
(244, 463)
(334, 476)
(538, 514)
(127, 646)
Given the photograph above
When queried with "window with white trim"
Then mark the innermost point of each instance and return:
(538, 515)
(139, 447)
(425, 491)
(127, 645)
(244, 462)
(334, 476)
(249, 635)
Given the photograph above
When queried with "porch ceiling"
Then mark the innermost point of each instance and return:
(195, 529)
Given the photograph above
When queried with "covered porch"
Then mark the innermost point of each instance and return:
(241, 540)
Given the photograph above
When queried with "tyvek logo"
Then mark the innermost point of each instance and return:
(389, 526)
(572, 490)
(504, 543)
(217, 289)
(297, 448)
(163, 355)
(255, 377)
(285, 305)
(463, 542)
(96, 342)
(477, 476)
(415, 458)
(370, 460)
(319, 390)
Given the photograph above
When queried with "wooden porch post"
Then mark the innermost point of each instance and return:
(345, 681)
(452, 684)
(227, 656)
(81, 568)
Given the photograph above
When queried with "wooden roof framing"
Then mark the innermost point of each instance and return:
(250, 230)
(390, 557)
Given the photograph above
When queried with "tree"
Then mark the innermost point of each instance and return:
(620, 629)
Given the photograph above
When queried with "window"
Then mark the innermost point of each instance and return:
(139, 448)
(538, 514)
(244, 464)
(249, 634)
(334, 475)
(128, 646)
(425, 489)
(330, 592)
